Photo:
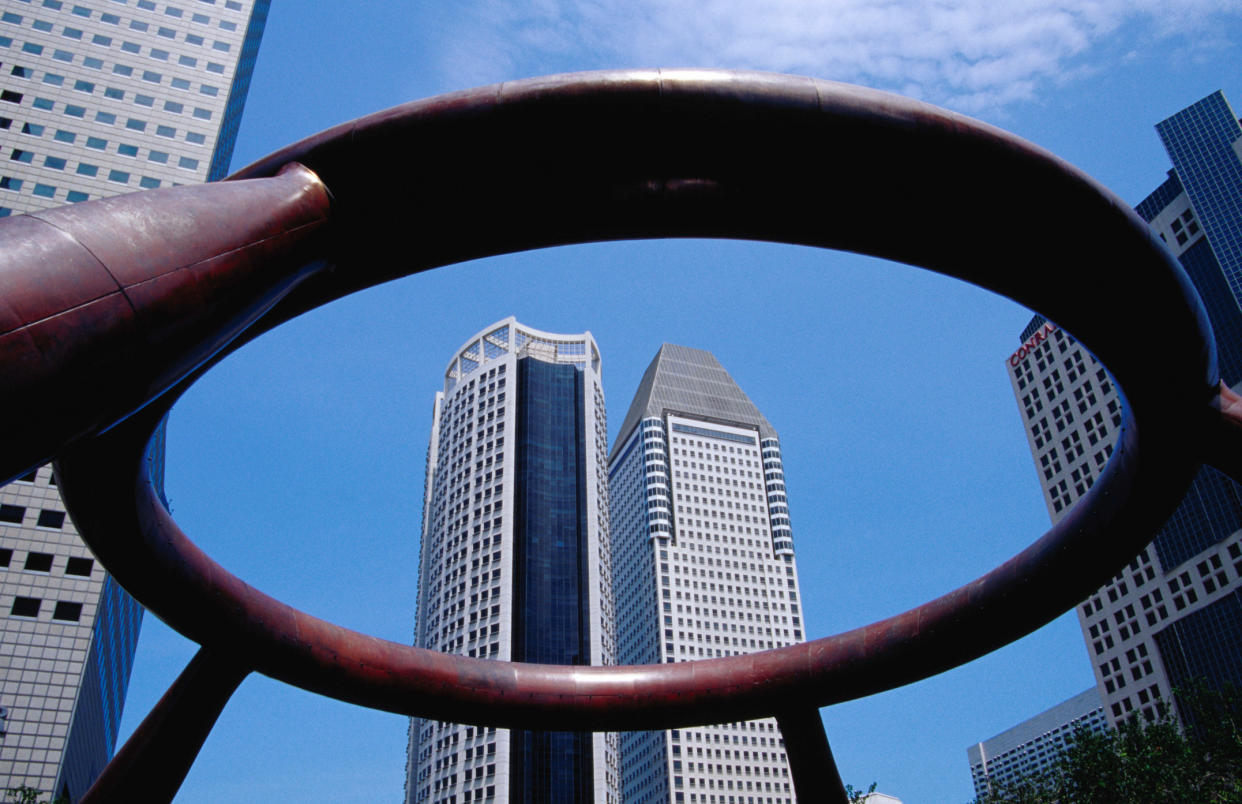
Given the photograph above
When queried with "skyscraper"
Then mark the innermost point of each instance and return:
(704, 567)
(514, 562)
(1174, 614)
(97, 97)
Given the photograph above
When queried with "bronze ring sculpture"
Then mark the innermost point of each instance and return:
(149, 290)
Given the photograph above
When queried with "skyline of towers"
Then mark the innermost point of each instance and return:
(704, 567)
(97, 97)
(692, 516)
(514, 562)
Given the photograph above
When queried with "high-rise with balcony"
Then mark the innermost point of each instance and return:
(97, 98)
(514, 563)
(703, 567)
(1174, 615)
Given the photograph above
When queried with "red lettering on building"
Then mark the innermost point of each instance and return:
(1034, 341)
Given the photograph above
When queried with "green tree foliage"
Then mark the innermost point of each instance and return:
(28, 795)
(1147, 763)
(855, 795)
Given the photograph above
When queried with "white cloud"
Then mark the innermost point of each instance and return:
(973, 54)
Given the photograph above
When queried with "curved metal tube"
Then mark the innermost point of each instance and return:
(680, 154)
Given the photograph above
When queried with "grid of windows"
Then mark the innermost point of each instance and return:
(704, 551)
(123, 75)
(1033, 746)
(1071, 444)
(467, 574)
(1201, 141)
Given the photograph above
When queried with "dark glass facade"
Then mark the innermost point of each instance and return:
(550, 592)
(101, 698)
(240, 88)
(1200, 141)
(1210, 512)
(1205, 271)
(1205, 646)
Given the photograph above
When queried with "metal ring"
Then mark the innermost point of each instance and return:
(618, 155)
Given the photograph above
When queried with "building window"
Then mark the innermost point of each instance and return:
(12, 513)
(38, 562)
(67, 612)
(51, 519)
(26, 607)
(80, 566)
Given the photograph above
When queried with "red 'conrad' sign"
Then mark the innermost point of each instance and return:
(1035, 340)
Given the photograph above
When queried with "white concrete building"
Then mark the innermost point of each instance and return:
(1033, 746)
(515, 560)
(704, 567)
(1138, 627)
(97, 97)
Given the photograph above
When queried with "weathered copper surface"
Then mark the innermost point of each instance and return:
(104, 305)
(605, 156)
(811, 764)
(153, 762)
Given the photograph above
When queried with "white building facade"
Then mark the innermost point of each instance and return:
(1071, 413)
(97, 98)
(704, 568)
(1033, 746)
(515, 558)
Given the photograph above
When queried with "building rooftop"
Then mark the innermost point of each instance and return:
(691, 381)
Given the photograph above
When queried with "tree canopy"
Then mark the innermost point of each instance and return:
(1158, 762)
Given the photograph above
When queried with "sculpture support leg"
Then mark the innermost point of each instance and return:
(153, 763)
(815, 774)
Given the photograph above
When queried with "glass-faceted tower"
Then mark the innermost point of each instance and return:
(514, 562)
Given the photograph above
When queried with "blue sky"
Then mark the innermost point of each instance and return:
(298, 462)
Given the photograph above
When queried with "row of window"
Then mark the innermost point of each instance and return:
(64, 611)
(146, 5)
(108, 118)
(42, 562)
(115, 93)
(16, 514)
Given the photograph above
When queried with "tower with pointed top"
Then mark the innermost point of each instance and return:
(703, 567)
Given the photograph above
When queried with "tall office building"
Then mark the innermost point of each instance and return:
(1174, 615)
(1146, 629)
(703, 567)
(514, 563)
(97, 97)
(1033, 746)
